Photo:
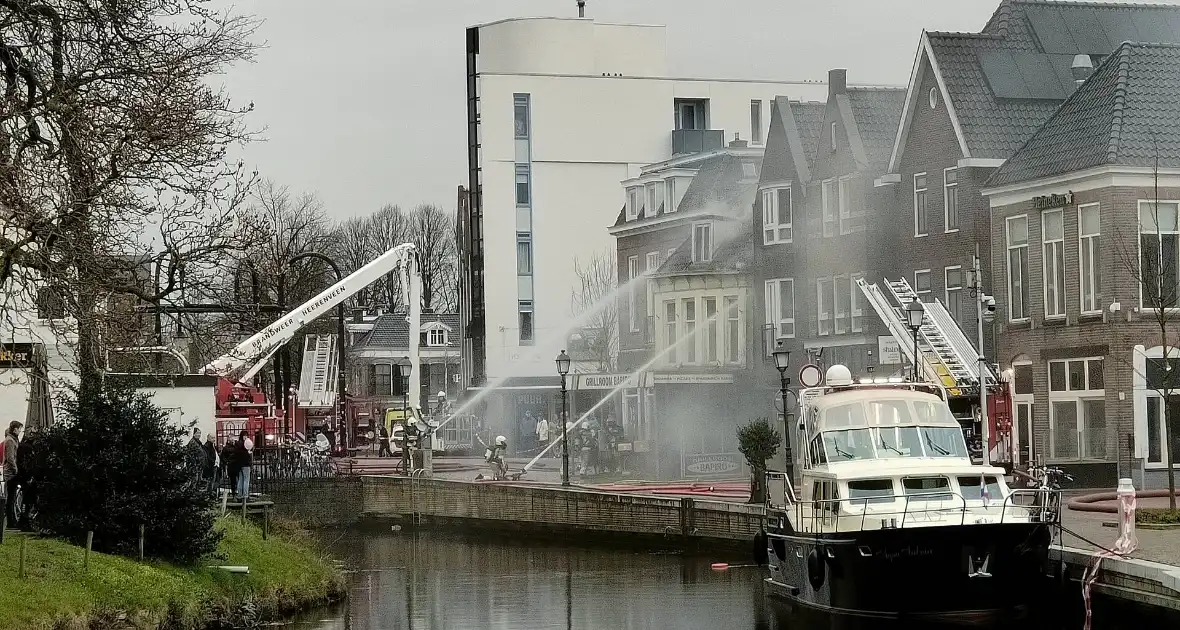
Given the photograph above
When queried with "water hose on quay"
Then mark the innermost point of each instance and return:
(1107, 502)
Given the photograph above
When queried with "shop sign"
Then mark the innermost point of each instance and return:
(692, 379)
(16, 355)
(1045, 202)
(888, 350)
(711, 464)
(606, 381)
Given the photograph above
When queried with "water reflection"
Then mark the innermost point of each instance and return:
(428, 581)
(432, 581)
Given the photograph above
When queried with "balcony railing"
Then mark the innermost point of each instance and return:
(696, 140)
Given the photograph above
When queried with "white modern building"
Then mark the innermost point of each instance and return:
(559, 112)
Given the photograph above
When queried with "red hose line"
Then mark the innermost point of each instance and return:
(1097, 502)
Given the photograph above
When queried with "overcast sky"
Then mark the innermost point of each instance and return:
(363, 100)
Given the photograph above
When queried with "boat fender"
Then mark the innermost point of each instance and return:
(816, 568)
(761, 554)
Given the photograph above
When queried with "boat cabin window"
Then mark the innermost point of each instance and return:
(927, 488)
(817, 452)
(930, 412)
(847, 445)
(844, 416)
(824, 495)
(944, 441)
(970, 488)
(899, 442)
(888, 412)
(866, 491)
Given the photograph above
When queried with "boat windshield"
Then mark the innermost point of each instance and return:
(943, 441)
(848, 445)
(899, 442)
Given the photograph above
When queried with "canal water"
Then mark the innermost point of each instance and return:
(434, 581)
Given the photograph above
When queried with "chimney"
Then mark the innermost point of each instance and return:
(1081, 68)
(738, 143)
(837, 82)
(581, 8)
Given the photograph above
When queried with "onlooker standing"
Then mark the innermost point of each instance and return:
(542, 432)
(383, 434)
(212, 467)
(229, 459)
(244, 456)
(11, 470)
(196, 455)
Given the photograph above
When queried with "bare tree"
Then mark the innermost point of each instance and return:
(1150, 258)
(432, 229)
(597, 278)
(388, 228)
(112, 153)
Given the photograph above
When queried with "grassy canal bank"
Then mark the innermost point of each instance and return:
(287, 573)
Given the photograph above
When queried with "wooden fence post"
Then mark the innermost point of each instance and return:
(23, 545)
(89, 544)
(141, 542)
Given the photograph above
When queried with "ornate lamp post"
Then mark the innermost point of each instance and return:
(782, 360)
(563, 368)
(914, 312)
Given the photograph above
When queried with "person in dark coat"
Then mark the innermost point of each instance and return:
(211, 469)
(196, 455)
(244, 458)
(230, 460)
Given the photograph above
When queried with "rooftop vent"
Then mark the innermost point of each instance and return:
(1081, 68)
(581, 8)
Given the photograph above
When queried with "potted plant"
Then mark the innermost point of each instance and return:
(758, 441)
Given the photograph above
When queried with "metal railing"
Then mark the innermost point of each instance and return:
(841, 515)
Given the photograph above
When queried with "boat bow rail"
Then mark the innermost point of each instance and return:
(833, 516)
(949, 358)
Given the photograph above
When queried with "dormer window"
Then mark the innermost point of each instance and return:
(702, 242)
(634, 202)
(435, 335)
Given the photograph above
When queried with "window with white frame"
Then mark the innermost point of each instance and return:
(1077, 409)
(670, 194)
(711, 325)
(777, 216)
(823, 290)
(832, 137)
(1090, 279)
(633, 301)
(670, 331)
(950, 196)
(436, 337)
(1162, 378)
(922, 284)
(852, 213)
(1159, 255)
(921, 227)
(522, 185)
(828, 200)
(857, 299)
(702, 242)
(634, 202)
(1053, 252)
(524, 312)
(756, 122)
(652, 262)
(733, 330)
(690, 328)
(843, 301)
(383, 379)
(655, 197)
(1016, 235)
(953, 284)
(524, 253)
(780, 307)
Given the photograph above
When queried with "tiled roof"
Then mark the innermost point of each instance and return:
(720, 186)
(809, 120)
(622, 218)
(735, 254)
(1120, 115)
(877, 112)
(393, 331)
(1034, 36)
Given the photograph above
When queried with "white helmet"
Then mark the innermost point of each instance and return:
(501, 440)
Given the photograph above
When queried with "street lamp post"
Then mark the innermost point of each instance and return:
(914, 312)
(340, 348)
(563, 368)
(782, 360)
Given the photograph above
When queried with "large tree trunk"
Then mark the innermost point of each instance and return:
(758, 487)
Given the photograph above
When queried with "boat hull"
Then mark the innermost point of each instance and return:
(977, 575)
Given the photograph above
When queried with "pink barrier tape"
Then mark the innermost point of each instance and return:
(1123, 546)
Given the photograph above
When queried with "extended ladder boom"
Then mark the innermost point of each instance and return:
(948, 356)
(255, 350)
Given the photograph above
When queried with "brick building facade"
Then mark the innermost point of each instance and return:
(1084, 237)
